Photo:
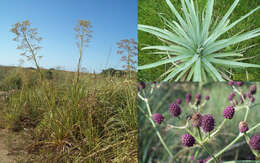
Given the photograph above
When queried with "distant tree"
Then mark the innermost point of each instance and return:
(109, 71)
(28, 40)
(128, 48)
(113, 72)
(83, 35)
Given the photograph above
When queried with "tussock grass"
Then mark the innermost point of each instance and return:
(92, 121)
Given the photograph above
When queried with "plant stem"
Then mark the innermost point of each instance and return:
(196, 155)
(235, 140)
(243, 99)
(199, 133)
(154, 126)
(247, 111)
(212, 156)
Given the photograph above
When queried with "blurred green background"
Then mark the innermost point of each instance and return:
(148, 14)
(150, 148)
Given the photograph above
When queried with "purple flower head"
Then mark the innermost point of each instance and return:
(252, 89)
(243, 127)
(254, 142)
(198, 96)
(229, 112)
(252, 99)
(207, 123)
(207, 98)
(239, 83)
(178, 101)
(198, 102)
(175, 110)
(188, 98)
(230, 83)
(158, 118)
(141, 85)
(231, 96)
(187, 140)
(196, 119)
(249, 95)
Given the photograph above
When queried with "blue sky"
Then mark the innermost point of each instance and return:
(112, 21)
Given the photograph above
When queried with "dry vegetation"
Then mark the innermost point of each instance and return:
(93, 120)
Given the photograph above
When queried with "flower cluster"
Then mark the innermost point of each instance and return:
(175, 109)
(243, 96)
(206, 122)
(254, 142)
(243, 127)
(158, 118)
(229, 112)
(187, 140)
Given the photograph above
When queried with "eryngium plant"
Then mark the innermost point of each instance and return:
(200, 127)
(193, 45)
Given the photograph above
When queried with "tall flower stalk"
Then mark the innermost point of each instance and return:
(83, 35)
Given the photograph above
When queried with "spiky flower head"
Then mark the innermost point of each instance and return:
(207, 98)
(254, 142)
(187, 140)
(243, 127)
(230, 83)
(193, 44)
(207, 123)
(252, 99)
(196, 119)
(231, 96)
(158, 118)
(252, 89)
(239, 83)
(188, 98)
(198, 102)
(229, 112)
(141, 85)
(175, 110)
(249, 94)
(198, 99)
(178, 101)
(198, 96)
